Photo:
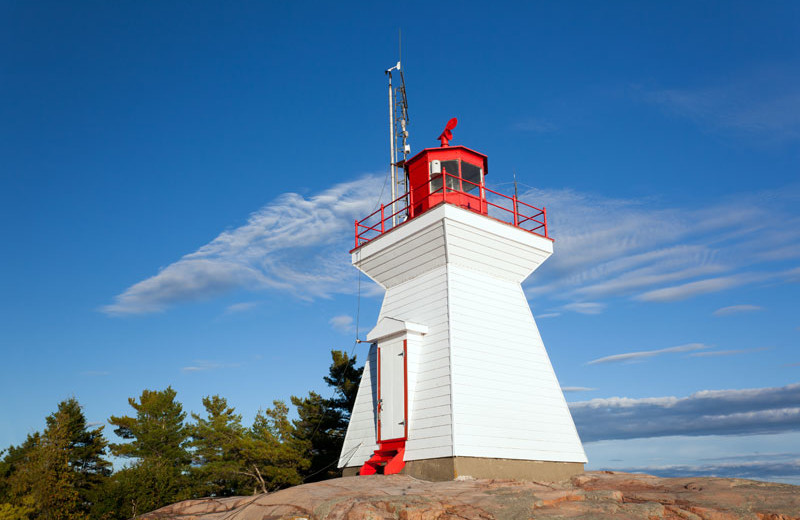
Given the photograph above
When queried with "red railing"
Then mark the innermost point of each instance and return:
(518, 213)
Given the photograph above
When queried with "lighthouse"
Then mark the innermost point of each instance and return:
(457, 382)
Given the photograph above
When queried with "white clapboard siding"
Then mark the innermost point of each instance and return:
(507, 402)
(420, 300)
(480, 383)
(361, 438)
(424, 300)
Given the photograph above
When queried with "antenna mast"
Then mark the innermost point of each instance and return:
(398, 135)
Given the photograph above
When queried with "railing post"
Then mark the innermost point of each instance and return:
(516, 216)
(356, 233)
(544, 219)
(410, 208)
(382, 218)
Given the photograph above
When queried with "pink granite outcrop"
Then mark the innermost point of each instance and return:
(595, 495)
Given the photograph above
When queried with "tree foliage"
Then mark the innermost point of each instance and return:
(277, 457)
(56, 474)
(322, 423)
(62, 473)
(217, 442)
(158, 472)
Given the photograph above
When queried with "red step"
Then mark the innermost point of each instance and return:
(388, 460)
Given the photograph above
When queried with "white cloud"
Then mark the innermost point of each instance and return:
(570, 389)
(736, 309)
(548, 315)
(342, 323)
(240, 307)
(607, 248)
(585, 307)
(709, 412)
(295, 244)
(687, 290)
(637, 356)
(604, 248)
(765, 105)
(204, 366)
(715, 353)
(783, 467)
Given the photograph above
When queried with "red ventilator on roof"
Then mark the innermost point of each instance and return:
(447, 134)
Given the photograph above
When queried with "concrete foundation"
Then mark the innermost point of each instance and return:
(450, 468)
(350, 472)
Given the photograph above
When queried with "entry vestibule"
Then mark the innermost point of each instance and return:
(396, 342)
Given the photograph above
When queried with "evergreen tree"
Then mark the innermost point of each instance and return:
(57, 475)
(16, 502)
(344, 378)
(219, 441)
(275, 457)
(86, 448)
(159, 470)
(52, 483)
(322, 423)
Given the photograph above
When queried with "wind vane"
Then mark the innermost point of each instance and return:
(448, 134)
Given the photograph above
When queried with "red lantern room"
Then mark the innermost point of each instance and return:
(452, 174)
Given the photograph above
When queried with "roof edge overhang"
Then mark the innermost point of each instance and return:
(390, 327)
(442, 148)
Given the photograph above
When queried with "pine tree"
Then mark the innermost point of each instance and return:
(322, 423)
(16, 502)
(160, 462)
(53, 484)
(218, 441)
(344, 377)
(275, 458)
(86, 448)
(57, 475)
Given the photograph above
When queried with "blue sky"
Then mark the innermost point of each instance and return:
(178, 184)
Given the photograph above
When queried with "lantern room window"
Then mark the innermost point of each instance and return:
(471, 175)
(457, 171)
(451, 168)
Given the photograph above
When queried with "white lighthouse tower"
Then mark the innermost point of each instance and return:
(457, 380)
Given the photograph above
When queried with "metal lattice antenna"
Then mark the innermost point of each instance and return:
(398, 131)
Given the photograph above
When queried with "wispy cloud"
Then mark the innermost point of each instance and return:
(608, 248)
(585, 307)
(240, 307)
(687, 290)
(787, 471)
(342, 323)
(715, 353)
(605, 248)
(709, 412)
(571, 389)
(295, 244)
(765, 105)
(548, 315)
(629, 357)
(783, 467)
(204, 366)
(736, 309)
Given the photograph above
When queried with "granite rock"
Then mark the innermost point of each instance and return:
(595, 495)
